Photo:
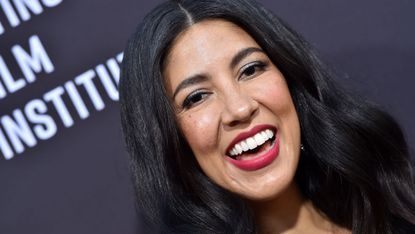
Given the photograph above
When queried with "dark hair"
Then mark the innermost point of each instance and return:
(355, 169)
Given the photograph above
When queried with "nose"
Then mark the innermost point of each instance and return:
(238, 108)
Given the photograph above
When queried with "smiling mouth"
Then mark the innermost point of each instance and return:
(254, 149)
(252, 146)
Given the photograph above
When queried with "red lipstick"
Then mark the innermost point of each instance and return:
(243, 135)
(262, 159)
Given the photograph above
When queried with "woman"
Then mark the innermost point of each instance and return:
(233, 125)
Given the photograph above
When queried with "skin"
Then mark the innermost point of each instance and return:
(227, 99)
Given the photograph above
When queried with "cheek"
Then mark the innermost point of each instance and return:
(276, 97)
(200, 131)
(274, 94)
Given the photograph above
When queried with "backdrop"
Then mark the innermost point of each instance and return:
(63, 168)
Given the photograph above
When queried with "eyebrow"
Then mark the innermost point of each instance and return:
(242, 54)
(195, 79)
(199, 78)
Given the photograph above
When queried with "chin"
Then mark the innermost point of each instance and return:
(265, 186)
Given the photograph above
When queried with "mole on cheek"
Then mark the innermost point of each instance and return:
(188, 121)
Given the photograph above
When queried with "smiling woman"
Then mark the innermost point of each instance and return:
(243, 139)
(233, 125)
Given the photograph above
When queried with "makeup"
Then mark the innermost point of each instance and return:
(254, 149)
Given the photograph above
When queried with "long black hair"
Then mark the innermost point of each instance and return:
(355, 168)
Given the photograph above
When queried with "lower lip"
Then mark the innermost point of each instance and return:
(258, 162)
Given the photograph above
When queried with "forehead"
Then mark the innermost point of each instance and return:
(205, 44)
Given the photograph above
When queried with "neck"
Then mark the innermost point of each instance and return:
(290, 212)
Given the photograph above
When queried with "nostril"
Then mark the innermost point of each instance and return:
(237, 113)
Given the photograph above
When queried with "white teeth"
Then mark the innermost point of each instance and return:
(259, 139)
(238, 149)
(244, 146)
(269, 133)
(251, 142)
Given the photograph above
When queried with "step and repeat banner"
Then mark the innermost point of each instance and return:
(63, 167)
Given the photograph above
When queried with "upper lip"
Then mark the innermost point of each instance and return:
(243, 135)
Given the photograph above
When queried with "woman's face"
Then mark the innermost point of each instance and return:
(234, 108)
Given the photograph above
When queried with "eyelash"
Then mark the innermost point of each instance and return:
(187, 103)
(257, 66)
(200, 94)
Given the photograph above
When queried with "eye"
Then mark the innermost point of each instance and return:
(194, 99)
(251, 70)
